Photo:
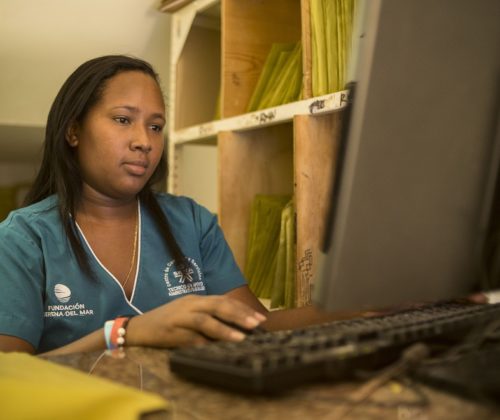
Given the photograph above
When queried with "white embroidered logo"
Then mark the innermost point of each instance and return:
(180, 282)
(63, 295)
(62, 292)
(184, 277)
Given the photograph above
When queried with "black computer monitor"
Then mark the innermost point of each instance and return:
(413, 189)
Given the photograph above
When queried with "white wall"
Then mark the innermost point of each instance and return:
(16, 173)
(44, 41)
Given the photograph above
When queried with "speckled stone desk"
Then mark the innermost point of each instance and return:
(148, 368)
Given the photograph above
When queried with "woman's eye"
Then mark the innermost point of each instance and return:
(121, 120)
(157, 128)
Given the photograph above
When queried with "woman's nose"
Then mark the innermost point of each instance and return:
(141, 146)
(141, 141)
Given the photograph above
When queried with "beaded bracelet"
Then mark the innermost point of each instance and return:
(114, 332)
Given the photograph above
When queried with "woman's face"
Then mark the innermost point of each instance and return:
(120, 142)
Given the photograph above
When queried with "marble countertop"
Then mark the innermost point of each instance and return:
(148, 369)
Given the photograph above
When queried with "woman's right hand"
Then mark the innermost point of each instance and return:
(192, 320)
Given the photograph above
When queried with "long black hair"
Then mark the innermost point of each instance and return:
(59, 172)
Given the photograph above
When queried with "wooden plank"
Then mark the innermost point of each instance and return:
(316, 140)
(251, 162)
(248, 29)
(262, 118)
(306, 49)
(170, 6)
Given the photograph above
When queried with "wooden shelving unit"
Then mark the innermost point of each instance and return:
(217, 53)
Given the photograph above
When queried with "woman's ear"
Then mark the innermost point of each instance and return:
(72, 135)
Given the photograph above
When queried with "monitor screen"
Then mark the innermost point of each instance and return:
(413, 187)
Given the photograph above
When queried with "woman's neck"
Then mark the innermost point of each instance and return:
(93, 207)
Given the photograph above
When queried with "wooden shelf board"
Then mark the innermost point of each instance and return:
(283, 113)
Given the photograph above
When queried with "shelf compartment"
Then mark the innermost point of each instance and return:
(249, 28)
(195, 172)
(251, 162)
(195, 64)
(296, 158)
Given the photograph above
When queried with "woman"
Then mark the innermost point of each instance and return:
(95, 243)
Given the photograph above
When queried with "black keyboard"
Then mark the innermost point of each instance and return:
(276, 361)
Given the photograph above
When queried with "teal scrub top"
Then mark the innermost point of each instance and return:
(47, 300)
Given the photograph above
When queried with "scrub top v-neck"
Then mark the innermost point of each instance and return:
(111, 276)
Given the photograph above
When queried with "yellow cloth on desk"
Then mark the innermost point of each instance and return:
(32, 388)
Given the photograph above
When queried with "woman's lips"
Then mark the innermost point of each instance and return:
(136, 167)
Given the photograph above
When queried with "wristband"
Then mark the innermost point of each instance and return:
(118, 332)
(108, 326)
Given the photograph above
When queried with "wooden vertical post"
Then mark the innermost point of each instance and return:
(316, 141)
(305, 6)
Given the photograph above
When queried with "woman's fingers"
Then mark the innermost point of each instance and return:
(224, 308)
(193, 320)
(221, 318)
(211, 327)
(234, 311)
